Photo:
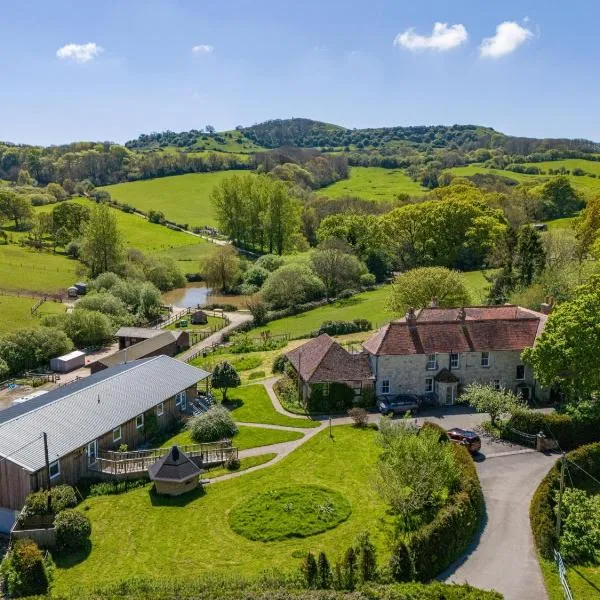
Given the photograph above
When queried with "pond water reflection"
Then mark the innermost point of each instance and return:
(197, 294)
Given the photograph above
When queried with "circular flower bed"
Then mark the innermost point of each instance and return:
(290, 512)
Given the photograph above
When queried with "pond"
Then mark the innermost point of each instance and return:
(197, 294)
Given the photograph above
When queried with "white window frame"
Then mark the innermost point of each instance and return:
(485, 360)
(517, 373)
(138, 424)
(160, 409)
(120, 436)
(431, 363)
(457, 364)
(385, 386)
(497, 384)
(428, 385)
(94, 444)
(56, 464)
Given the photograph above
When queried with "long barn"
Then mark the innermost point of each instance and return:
(84, 418)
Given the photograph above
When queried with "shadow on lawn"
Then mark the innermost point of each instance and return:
(66, 561)
(177, 501)
(588, 581)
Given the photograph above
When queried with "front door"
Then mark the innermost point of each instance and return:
(450, 393)
(92, 452)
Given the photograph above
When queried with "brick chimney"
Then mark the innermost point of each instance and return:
(462, 314)
(434, 302)
(411, 317)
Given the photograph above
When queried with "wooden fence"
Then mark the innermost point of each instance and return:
(121, 465)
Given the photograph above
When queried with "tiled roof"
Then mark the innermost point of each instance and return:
(484, 329)
(323, 360)
(78, 413)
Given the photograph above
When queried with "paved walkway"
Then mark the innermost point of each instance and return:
(235, 320)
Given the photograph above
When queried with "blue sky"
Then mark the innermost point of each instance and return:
(331, 60)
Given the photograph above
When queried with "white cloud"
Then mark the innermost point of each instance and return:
(509, 36)
(442, 38)
(203, 49)
(80, 53)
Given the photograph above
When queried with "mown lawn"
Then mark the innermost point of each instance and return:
(583, 580)
(245, 438)
(251, 404)
(374, 183)
(366, 305)
(182, 198)
(245, 464)
(16, 312)
(30, 270)
(214, 323)
(138, 534)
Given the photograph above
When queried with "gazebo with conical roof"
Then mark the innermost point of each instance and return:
(175, 473)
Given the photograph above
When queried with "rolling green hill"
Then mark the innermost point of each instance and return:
(374, 183)
(182, 198)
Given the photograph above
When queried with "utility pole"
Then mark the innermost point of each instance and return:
(560, 495)
(47, 460)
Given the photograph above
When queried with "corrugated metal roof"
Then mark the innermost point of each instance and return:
(142, 348)
(79, 413)
(71, 355)
(138, 332)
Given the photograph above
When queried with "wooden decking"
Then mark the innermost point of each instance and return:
(122, 465)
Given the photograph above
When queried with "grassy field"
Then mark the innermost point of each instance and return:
(182, 198)
(139, 233)
(245, 463)
(583, 580)
(374, 183)
(245, 438)
(16, 312)
(189, 536)
(30, 270)
(588, 186)
(366, 305)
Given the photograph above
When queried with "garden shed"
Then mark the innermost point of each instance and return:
(199, 318)
(175, 473)
(68, 362)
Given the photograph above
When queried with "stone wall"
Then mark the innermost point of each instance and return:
(408, 374)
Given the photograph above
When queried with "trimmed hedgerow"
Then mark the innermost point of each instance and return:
(73, 530)
(25, 570)
(61, 497)
(541, 509)
(343, 327)
(569, 432)
(436, 545)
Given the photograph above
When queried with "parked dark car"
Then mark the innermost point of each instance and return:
(467, 438)
(398, 405)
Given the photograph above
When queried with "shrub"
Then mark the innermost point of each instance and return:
(73, 530)
(279, 363)
(343, 327)
(215, 424)
(61, 498)
(360, 416)
(338, 398)
(270, 262)
(232, 463)
(257, 375)
(256, 276)
(542, 507)
(25, 571)
(221, 306)
(368, 280)
(569, 432)
(224, 376)
(436, 545)
(111, 488)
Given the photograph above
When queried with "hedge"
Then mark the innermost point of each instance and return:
(73, 530)
(25, 571)
(541, 509)
(569, 432)
(436, 545)
(61, 497)
(342, 327)
(222, 589)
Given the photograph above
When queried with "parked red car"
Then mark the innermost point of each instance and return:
(467, 438)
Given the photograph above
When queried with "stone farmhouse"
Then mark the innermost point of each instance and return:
(432, 353)
(85, 419)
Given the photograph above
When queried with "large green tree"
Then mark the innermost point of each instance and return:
(338, 270)
(15, 207)
(417, 288)
(221, 268)
(559, 198)
(530, 256)
(290, 285)
(568, 351)
(102, 248)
